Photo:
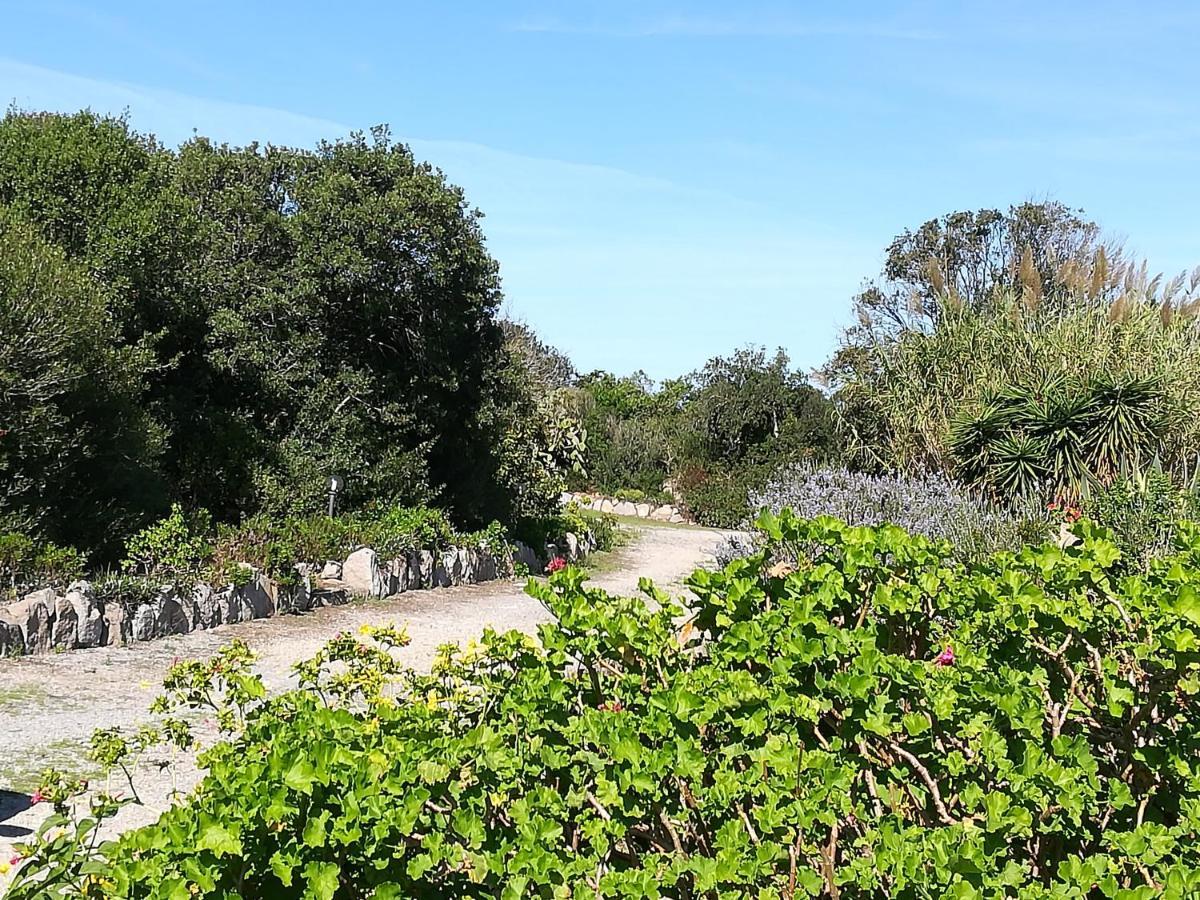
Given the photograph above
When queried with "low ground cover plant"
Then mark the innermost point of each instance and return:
(867, 718)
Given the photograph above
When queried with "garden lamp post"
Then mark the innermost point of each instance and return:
(335, 488)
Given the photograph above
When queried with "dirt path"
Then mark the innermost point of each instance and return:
(49, 705)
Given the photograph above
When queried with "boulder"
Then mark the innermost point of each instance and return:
(625, 508)
(88, 614)
(256, 601)
(446, 570)
(173, 614)
(34, 614)
(643, 510)
(362, 575)
(12, 642)
(208, 608)
(523, 554)
(64, 630)
(663, 514)
(485, 567)
(596, 504)
(332, 571)
(606, 505)
(413, 572)
(143, 623)
(467, 557)
(397, 580)
(118, 627)
(427, 568)
(677, 519)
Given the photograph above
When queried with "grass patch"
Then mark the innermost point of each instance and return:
(13, 699)
(25, 775)
(638, 522)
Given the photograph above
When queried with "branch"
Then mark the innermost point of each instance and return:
(943, 814)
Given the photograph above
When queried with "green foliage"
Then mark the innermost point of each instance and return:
(127, 591)
(874, 721)
(1058, 439)
(1092, 355)
(25, 561)
(713, 436)
(1141, 509)
(573, 519)
(225, 327)
(177, 546)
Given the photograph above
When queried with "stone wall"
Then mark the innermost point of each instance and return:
(658, 512)
(44, 621)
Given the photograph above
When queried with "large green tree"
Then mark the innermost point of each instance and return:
(280, 314)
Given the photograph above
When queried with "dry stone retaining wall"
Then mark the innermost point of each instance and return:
(43, 621)
(659, 512)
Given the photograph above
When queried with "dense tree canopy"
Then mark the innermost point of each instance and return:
(265, 315)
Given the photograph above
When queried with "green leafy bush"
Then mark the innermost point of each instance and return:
(1141, 510)
(25, 561)
(573, 519)
(126, 591)
(874, 721)
(178, 546)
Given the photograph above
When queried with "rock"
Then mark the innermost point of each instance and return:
(256, 602)
(662, 514)
(677, 519)
(173, 614)
(446, 570)
(596, 504)
(332, 571)
(208, 610)
(467, 558)
(572, 547)
(413, 572)
(362, 575)
(427, 566)
(643, 510)
(64, 629)
(566, 497)
(12, 642)
(485, 567)
(143, 623)
(397, 576)
(523, 554)
(34, 615)
(625, 508)
(118, 627)
(606, 505)
(88, 615)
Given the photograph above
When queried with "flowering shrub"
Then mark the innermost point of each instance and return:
(872, 721)
(557, 564)
(932, 506)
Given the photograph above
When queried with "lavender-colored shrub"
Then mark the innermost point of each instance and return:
(932, 506)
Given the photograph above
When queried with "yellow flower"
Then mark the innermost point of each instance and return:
(4, 867)
(365, 629)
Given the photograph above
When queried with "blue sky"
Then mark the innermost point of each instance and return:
(665, 182)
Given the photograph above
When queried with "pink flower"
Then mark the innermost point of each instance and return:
(14, 859)
(945, 658)
(36, 798)
(556, 565)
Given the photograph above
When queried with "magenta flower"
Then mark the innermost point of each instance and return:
(945, 658)
(556, 565)
(36, 798)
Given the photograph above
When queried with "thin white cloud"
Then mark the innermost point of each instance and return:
(711, 27)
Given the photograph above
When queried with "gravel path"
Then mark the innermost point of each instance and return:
(49, 705)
